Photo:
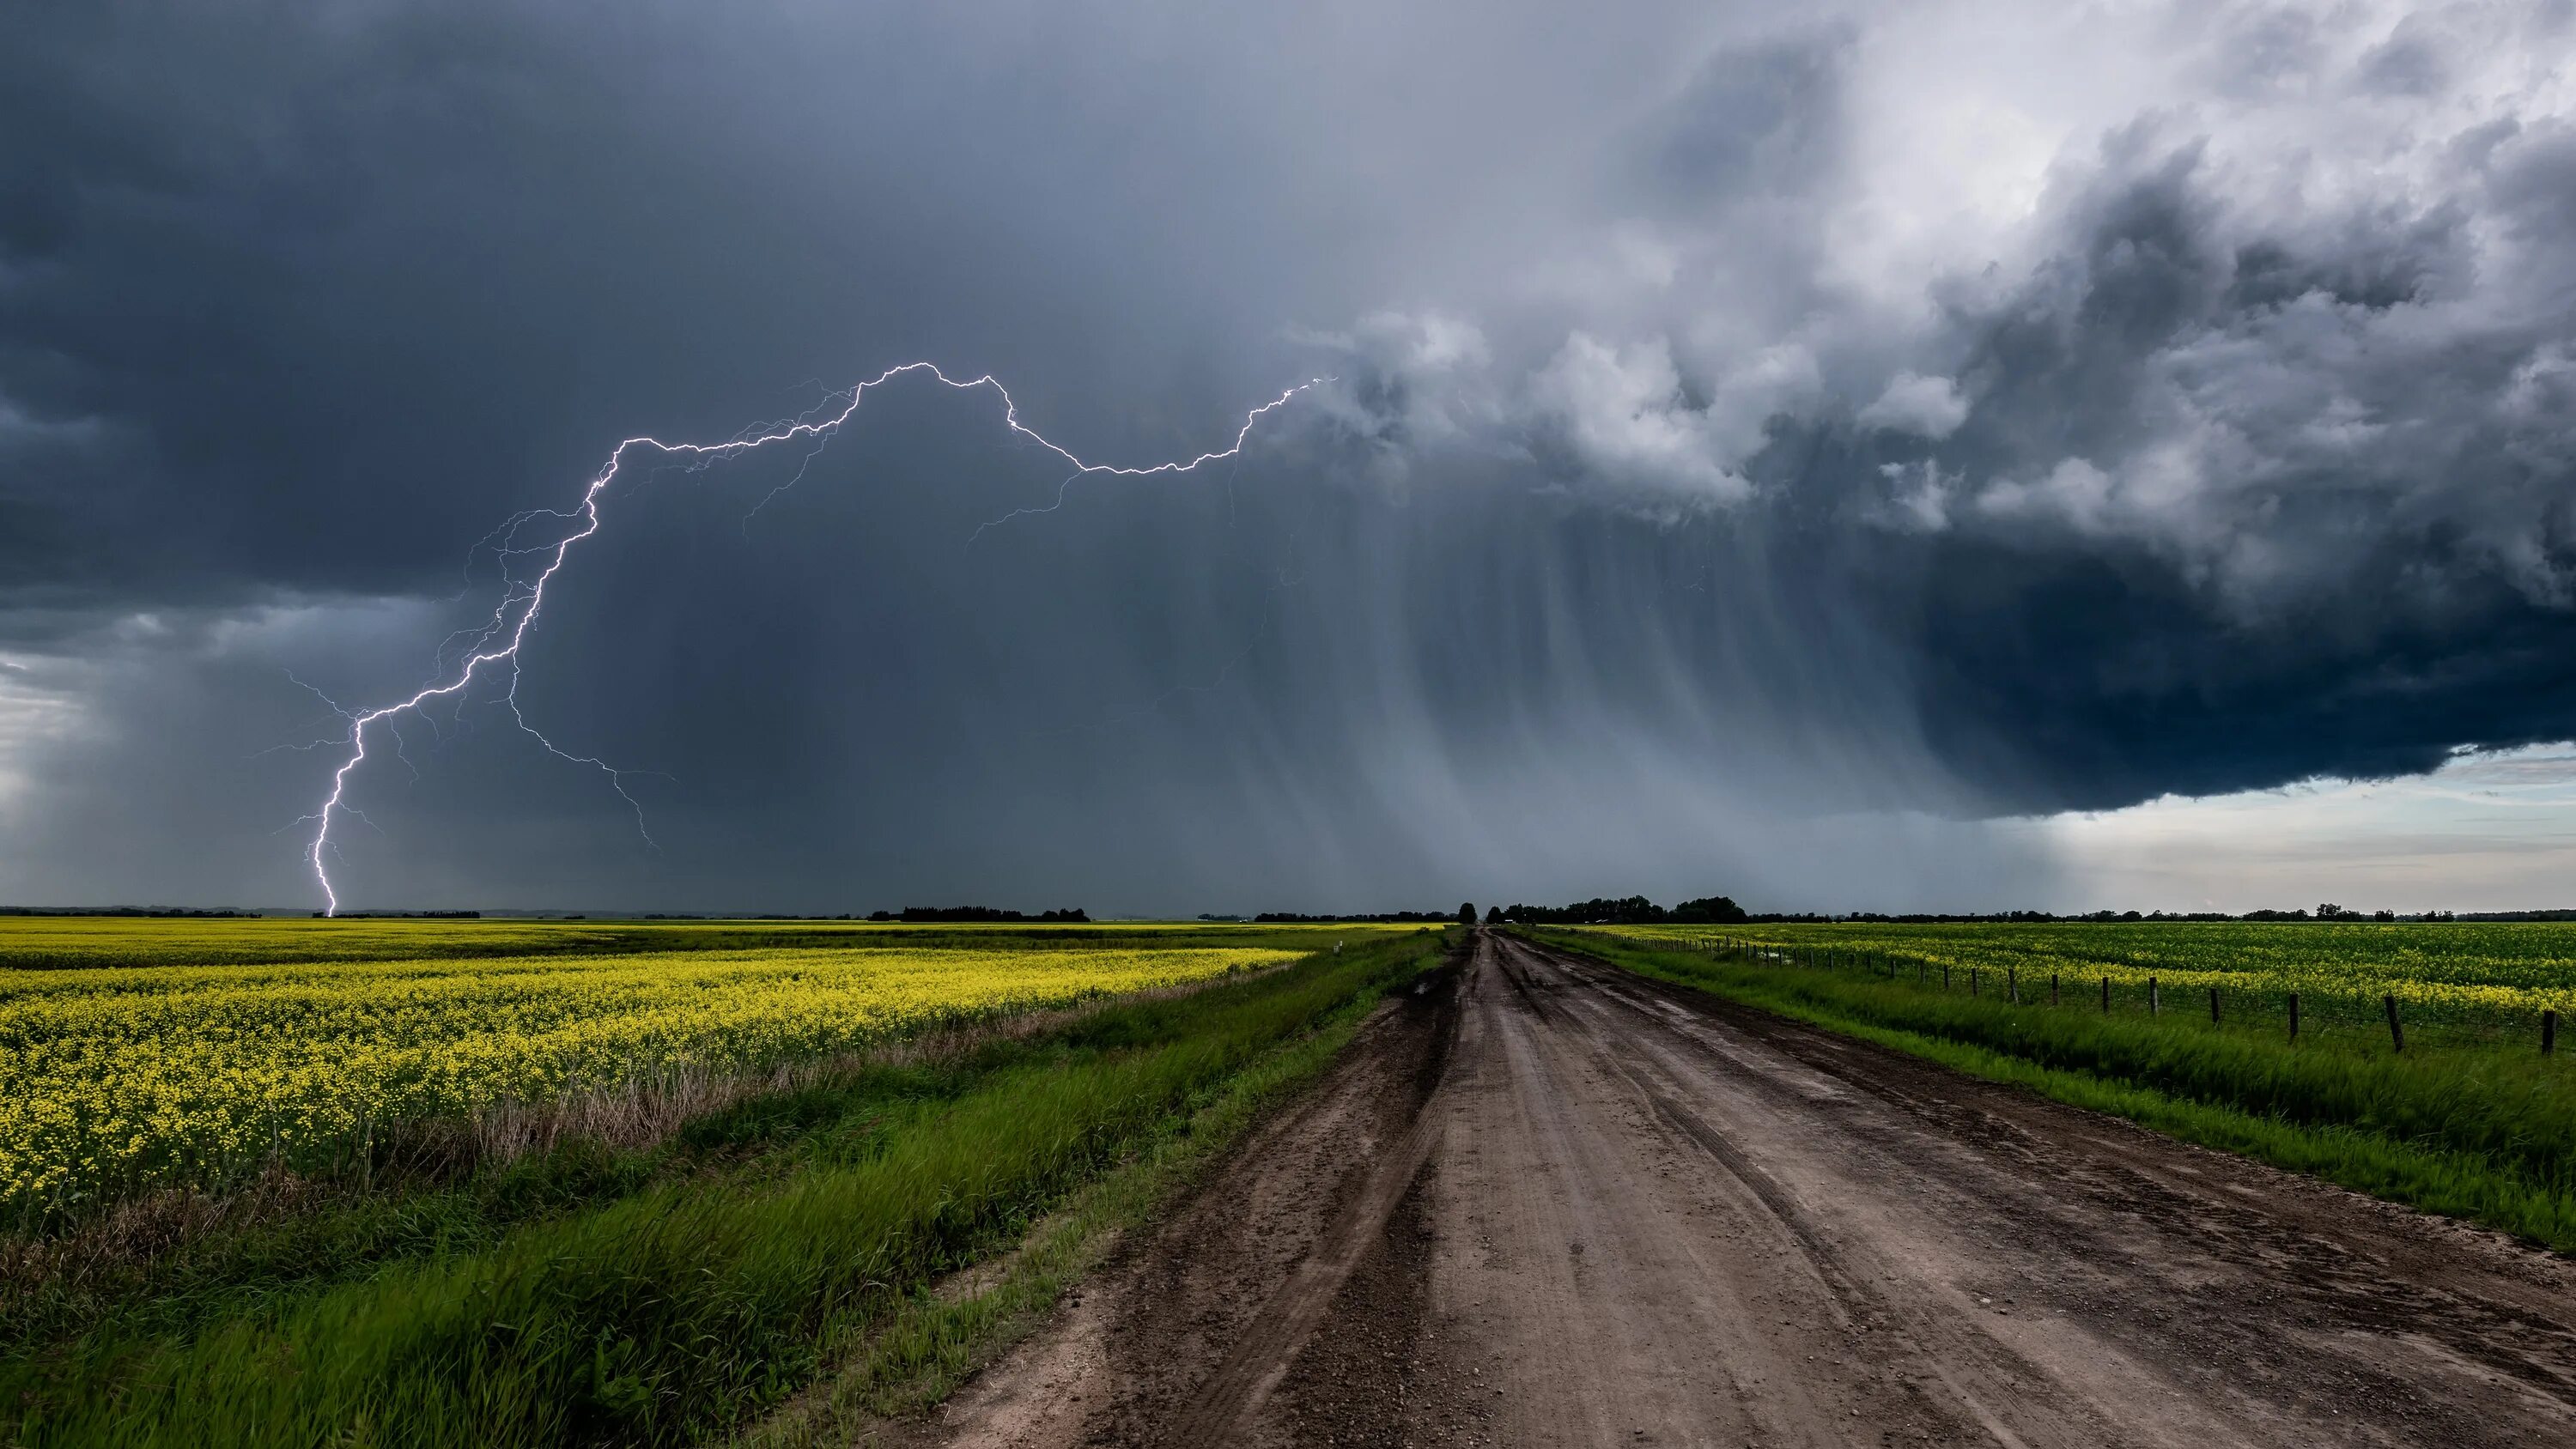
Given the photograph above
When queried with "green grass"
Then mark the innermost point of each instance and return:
(927, 1348)
(2473, 1129)
(664, 1296)
(2481, 977)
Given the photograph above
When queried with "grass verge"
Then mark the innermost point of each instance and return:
(2481, 1132)
(684, 1306)
(927, 1349)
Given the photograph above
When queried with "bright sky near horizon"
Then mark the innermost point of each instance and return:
(2485, 832)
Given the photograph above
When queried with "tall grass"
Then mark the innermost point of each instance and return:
(2475, 1129)
(688, 1305)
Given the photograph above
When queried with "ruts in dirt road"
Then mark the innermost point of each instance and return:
(1544, 1202)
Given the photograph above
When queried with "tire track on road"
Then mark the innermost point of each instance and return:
(1563, 1205)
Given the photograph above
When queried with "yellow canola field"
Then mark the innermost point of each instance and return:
(124, 1077)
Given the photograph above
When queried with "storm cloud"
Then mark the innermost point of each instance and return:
(1758, 453)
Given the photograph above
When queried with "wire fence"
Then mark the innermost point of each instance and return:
(2227, 1000)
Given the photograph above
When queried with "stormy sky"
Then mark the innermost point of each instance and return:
(1927, 455)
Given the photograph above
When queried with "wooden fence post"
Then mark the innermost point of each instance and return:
(1972, 981)
(2213, 1006)
(2294, 1016)
(2548, 1032)
(1945, 975)
(2155, 1003)
(2396, 1033)
(2052, 988)
(2106, 996)
(2012, 984)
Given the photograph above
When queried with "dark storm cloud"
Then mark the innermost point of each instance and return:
(2258, 504)
(1759, 448)
(302, 297)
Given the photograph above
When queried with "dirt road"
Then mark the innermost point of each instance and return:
(1543, 1202)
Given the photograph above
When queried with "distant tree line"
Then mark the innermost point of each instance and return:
(1627, 911)
(397, 915)
(2327, 912)
(1288, 918)
(1720, 910)
(2503, 916)
(974, 913)
(156, 912)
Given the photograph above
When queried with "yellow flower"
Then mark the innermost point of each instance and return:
(147, 1051)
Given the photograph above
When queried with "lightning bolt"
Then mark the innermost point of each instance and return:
(496, 644)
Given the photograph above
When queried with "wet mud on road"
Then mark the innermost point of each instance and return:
(1543, 1202)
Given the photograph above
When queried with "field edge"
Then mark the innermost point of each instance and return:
(2456, 1185)
(943, 1337)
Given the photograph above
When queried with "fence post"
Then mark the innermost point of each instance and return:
(2052, 988)
(2294, 1016)
(1972, 981)
(1945, 975)
(2548, 1032)
(2213, 1006)
(2106, 996)
(2012, 984)
(2155, 1003)
(2396, 1033)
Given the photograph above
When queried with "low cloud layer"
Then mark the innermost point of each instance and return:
(1758, 453)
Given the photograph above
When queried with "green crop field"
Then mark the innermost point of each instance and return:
(2489, 980)
(695, 1168)
(2416, 1068)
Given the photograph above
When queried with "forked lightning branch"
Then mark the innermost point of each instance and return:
(495, 646)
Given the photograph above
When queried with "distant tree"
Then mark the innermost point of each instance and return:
(1467, 914)
(2383, 914)
(1493, 915)
(1713, 910)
